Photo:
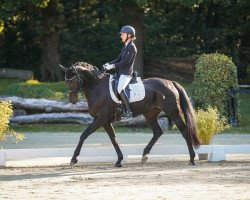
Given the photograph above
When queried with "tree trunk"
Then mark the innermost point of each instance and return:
(50, 41)
(244, 55)
(133, 16)
(45, 105)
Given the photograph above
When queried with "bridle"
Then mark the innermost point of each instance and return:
(80, 81)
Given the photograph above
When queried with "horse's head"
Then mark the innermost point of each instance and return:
(78, 77)
(74, 81)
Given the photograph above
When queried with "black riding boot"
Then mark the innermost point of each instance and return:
(128, 113)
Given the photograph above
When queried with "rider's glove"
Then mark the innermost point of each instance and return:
(103, 67)
(108, 66)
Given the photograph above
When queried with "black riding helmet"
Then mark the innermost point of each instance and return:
(129, 30)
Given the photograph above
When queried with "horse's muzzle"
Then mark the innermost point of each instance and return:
(73, 97)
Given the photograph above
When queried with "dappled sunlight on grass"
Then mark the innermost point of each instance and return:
(34, 89)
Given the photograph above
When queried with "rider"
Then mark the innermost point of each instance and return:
(124, 63)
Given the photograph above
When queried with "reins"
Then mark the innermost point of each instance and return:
(80, 82)
(96, 79)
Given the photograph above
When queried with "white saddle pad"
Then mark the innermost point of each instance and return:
(137, 91)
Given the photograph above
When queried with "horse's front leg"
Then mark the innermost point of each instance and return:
(92, 128)
(110, 130)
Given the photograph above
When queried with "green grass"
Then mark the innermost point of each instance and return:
(12, 87)
(244, 109)
(71, 128)
(244, 118)
(5, 83)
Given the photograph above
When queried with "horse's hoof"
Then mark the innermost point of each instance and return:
(192, 163)
(73, 162)
(144, 159)
(118, 165)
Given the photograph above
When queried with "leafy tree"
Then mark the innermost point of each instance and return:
(185, 28)
(133, 14)
(89, 34)
(94, 25)
(37, 34)
(32, 25)
(19, 39)
(51, 23)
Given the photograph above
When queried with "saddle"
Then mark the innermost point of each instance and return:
(135, 90)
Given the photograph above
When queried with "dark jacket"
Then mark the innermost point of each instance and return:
(125, 61)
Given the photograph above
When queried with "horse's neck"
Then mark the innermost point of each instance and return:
(100, 86)
(89, 76)
(93, 79)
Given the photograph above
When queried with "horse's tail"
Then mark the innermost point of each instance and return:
(189, 115)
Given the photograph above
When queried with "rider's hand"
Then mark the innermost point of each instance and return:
(108, 66)
(103, 67)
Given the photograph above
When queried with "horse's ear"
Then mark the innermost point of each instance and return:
(63, 68)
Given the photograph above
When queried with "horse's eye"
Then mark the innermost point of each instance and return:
(71, 73)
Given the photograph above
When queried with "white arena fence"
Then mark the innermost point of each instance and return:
(108, 154)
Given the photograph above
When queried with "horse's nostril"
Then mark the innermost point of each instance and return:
(73, 97)
(73, 101)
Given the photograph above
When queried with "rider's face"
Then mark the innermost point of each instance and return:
(124, 36)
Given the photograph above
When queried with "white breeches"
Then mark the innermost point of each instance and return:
(123, 82)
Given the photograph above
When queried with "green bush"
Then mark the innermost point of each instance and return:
(214, 75)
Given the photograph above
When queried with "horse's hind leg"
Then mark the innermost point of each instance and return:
(151, 119)
(109, 129)
(183, 129)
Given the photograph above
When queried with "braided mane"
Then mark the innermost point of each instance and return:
(86, 69)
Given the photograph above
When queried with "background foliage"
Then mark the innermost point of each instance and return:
(86, 31)
(214, 75)
(5, 113)
(36, 89)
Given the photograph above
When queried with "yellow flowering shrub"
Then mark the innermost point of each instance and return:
(33, 82)
(5, 113)
(1, 26)
(58, 95)
(209, 123)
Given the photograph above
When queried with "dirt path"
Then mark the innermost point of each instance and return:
(167, 179)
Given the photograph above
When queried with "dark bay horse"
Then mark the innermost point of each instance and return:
(160, 95)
